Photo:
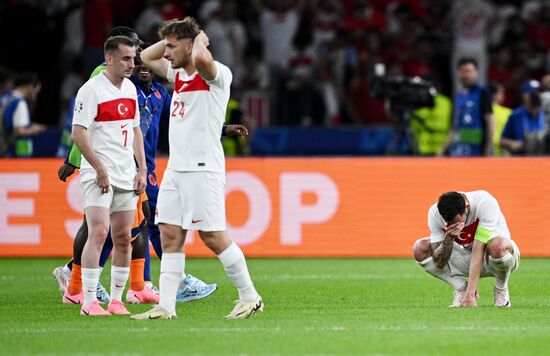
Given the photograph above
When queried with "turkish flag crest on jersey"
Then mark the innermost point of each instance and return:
(116, 110)
(468, 233)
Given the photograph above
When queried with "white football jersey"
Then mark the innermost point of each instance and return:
(484, 212)
(197, 114)
(110, 115)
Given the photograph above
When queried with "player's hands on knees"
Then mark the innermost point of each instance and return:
(65, 171)
(102, 179)
(455, 229)
(140, 182)
(236, 130)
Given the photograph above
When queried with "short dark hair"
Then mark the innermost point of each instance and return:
(112, 43)
(122, 31)
(186, 28)
(466, 60)
(26, 78)
(450, 205)
(493, 88)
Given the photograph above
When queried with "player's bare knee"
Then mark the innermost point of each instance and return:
(98, 233)
(216, 241)
(122, 243)
(498, 247)
(172, 238)
(422, 249)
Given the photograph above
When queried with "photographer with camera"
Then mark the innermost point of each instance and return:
(473, 120)
(403, 96)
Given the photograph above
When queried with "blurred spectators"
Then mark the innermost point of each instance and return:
(525, 128)
(98, 20)
(473, 122)
(545, 98)
(431, 126)
(471, 19)
(296, 63)
(153, 15)
(15, 116)
(227, 35)
(500, 112)
(6, 81)
(278, 25)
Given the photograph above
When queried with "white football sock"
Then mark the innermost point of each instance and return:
(90, 277)
(234, 264)
(119, 277)
(172, 266)
(457, 282)
(501, 268)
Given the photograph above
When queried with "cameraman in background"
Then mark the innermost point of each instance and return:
(473, 120)
(432, 124)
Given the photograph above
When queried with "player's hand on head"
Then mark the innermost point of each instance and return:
(203, 38)
(65, 171)
(236, 130)
(454, 229)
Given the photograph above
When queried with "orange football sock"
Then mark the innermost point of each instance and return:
(75, 284)
(136, 274)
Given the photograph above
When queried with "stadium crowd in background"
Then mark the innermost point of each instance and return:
(297, 63)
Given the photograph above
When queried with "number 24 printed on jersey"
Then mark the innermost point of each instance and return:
(179, 109)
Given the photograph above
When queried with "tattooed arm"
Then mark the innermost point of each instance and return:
(441, 251)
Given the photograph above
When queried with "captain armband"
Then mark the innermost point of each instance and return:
(483, 235)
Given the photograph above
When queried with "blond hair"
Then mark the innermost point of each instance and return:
(186, 28)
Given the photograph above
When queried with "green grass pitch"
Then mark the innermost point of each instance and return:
(312, 306)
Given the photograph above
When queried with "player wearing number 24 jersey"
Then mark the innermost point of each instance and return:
(192, 194)
(202, 149)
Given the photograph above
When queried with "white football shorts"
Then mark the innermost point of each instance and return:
(115, 200)
(459, 263)
(192, 200)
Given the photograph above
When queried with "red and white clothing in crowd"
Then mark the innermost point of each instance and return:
(470, 29)
(277, 30)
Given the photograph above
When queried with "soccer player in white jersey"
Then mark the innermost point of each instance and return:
(469, 238)
(107, 132)
(192, 194)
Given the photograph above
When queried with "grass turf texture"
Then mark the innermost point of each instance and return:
(313, 306)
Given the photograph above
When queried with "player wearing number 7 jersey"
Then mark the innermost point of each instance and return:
(192, 194)
(106, 121)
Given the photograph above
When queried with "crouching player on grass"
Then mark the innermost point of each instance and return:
(468, 238)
